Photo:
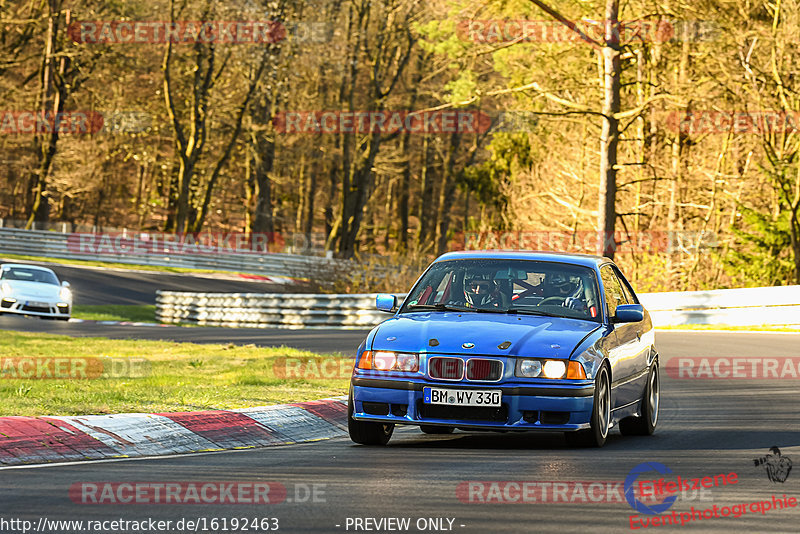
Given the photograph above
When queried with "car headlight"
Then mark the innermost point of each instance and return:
(553, 369)
(5, 288)
(529, 368)
(65, 294)
(382, 360)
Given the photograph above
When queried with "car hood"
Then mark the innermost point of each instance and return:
(32, 289)
(529, 335)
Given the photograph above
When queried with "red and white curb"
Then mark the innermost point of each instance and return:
(29, 440)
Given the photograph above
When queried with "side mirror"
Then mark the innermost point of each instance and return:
(64, 284)
(629, 313)
(386, 303)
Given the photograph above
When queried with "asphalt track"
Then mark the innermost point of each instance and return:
(322, 340)
(97, 286)
(706, 428)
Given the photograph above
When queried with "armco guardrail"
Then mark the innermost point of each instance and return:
(736, 307)
(57, 245)
(268, 310)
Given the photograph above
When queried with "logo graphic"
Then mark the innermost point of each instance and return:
(630, 482)
(778, 467)
(468, 345)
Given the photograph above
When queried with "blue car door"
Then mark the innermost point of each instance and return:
(624, 347)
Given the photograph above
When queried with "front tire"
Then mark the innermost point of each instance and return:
(645, 424)
(600, 422)
(366, 432)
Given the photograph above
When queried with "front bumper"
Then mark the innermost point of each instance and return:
(536, 406)
(36, 307)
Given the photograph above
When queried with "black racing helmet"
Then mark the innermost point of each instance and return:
(479, 290)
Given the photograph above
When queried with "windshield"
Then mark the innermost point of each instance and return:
(507, 286)
(28, 275)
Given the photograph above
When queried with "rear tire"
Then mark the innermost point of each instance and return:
(366, 432)
(601, 416)
(645, 424)
(433, 429)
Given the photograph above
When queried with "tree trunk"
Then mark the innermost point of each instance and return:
(311, 194)
(262, 158)
(447, 194)
(53, 93)
(360, 185)
(609, 138)
(426, 222)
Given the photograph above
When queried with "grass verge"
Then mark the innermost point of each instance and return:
(178, 377)
(112, 312)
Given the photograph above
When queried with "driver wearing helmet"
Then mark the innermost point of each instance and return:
(571, 290)
(561, 286)
(481, 292)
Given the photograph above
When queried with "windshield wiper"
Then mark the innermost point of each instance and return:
(531, 312)
(438, 307)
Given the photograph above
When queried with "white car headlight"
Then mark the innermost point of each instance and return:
(554, 368)
(65, 294)
(5, 288)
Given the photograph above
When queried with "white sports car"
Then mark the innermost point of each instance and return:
(32, 290)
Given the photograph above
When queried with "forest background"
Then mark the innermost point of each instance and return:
(692, 146)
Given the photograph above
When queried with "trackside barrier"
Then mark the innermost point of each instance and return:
(735, 307)
(55, 245)
(268, 310)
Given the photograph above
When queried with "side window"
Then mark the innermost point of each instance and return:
(613, 290)
(626, 288)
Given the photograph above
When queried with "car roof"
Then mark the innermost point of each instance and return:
(26, 266)
(586, 260)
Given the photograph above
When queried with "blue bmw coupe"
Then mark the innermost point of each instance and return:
(510, 341)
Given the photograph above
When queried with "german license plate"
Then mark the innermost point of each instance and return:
(462, 397)
(37, 304)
